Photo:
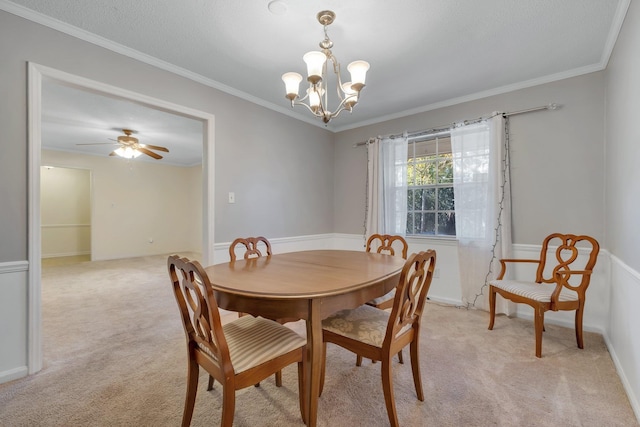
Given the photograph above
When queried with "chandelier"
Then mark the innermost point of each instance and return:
(317, 100)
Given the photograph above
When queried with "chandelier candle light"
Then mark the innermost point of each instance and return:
(317, 94)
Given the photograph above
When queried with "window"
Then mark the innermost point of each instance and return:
(430, 203)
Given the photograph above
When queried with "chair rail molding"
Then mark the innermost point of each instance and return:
(13, 266)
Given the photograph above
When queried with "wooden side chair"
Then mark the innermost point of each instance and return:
(385, 244)
(252, 247)
(552, 288)
(238, 354)
(378, 335)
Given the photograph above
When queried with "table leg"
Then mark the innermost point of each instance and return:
(314, 361)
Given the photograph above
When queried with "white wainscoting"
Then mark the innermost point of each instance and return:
(13, 320)
(60, 240)
(623, 332)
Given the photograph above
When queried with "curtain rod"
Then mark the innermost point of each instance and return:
(446, 128)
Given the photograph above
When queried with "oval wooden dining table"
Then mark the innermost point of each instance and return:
(309, 285)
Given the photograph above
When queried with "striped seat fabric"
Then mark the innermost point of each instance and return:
(536, 291)
(255, 340)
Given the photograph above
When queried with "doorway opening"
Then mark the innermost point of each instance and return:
(39, 73)
(65, 215)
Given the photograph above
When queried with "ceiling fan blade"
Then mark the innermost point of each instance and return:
(149, 153)
(99, 143)
(155, 147)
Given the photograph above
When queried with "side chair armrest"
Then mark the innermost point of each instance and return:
(569, 272)
(562, 281)
(504, 261)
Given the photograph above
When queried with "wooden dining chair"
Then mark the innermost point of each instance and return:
(379, 334)
(556, 284)
(238, 354)
(385, 244)
(252, 247)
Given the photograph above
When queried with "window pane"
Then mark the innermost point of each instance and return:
(410, 227)
(425, 223)
(411, 174)
(444, 145)
(417, 200)
(410, 199)
(423, 148)
(425, 199)
(445, 170)
(425, 173)
(445, 199)
(447, 223)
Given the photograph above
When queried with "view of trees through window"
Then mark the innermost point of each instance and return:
(430, 203)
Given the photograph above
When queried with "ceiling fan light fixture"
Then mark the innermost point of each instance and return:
(127, 152)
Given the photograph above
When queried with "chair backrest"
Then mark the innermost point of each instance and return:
(251, 245)
(566, 258)
(385, 243)
(411, 292)
(199, 310)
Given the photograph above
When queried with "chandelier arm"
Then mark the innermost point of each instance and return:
(324, 105)
(336, 70)
(308, 108)
(341, 107)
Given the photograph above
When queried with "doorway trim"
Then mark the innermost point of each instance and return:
(36, 74)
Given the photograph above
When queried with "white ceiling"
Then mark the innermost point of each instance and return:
(71, 116)
(424, 54)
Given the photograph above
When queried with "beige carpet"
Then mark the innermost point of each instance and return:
(114, 356)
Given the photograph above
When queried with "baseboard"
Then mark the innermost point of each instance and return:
(626, 384)
(446, 301)
(13, 374)
(65, 254)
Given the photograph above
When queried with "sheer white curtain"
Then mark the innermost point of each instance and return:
(387, 186)
(482, 206)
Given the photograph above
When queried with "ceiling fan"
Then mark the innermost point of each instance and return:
(130, 147)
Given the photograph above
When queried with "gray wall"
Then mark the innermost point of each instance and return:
(623, 204)
(623, 143)
(279, 168)
(557, 158)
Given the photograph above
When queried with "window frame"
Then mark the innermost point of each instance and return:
(412, 188)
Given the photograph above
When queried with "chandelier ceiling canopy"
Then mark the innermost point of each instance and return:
(316, 97)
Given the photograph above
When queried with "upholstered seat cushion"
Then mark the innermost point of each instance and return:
(384, 298)
(255, 340)
(365, 323)
(535, 291)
